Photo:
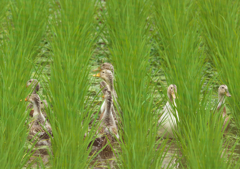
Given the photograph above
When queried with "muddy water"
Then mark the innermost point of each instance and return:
(171, 158)
(104, 159)
(171, 154)
(108, 159)
(38, 158)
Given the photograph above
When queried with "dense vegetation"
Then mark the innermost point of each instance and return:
(193, 44)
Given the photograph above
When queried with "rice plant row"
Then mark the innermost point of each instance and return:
(193, 124)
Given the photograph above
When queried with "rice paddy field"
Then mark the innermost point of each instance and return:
(192, 44)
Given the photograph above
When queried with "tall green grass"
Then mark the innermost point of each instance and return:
(220, 31)
(181, 48)
(130, 52)
(4, 5)
(73, 36)
(188, 35)
(25, 24)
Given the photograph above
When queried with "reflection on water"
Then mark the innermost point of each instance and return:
(105, 158)
(171, 158)
(39, 157)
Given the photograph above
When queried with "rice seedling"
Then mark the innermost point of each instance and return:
(193, 39)
(181, 49)
(220, 31)
(128, 43)
(3, 6)
(73, 36)
(25, 25)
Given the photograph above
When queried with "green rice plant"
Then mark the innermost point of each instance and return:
(25, 27)
(181, 49)
(220, 31)
(127, 24)
(73, 37)
(4, 5)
